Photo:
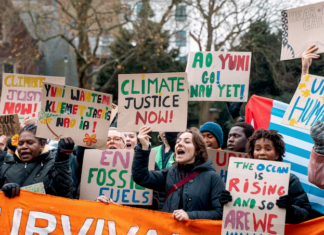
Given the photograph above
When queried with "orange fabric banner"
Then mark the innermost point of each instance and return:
(32, 213)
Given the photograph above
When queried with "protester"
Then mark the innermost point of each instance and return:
(307, 57)
(32, 166)
(115, 140)
(198, 198)
(115, 134)
(213, 135)
(316, 161)
(163, 156)
(269, 145)
(238, 136)
(11, 149)
(3, 142)
(163, 152)
(131, 139)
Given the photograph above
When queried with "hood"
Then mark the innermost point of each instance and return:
(206, 166)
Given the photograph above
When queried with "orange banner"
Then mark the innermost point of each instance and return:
(32, 213)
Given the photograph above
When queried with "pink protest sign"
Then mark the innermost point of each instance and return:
(109, 173)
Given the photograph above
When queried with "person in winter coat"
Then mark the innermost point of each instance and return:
(269, 145)
(198, 198)
(213, 135)
(32, 166)
(316, 161)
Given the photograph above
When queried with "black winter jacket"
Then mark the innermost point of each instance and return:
(201, 195)
(301, 208)
(55, 175)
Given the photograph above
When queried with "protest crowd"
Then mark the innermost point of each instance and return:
(179, 175)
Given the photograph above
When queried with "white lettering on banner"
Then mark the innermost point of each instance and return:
(31, 224)
(66, 225)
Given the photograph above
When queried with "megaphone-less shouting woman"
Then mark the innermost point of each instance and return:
(198, 186)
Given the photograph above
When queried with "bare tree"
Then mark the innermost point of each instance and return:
(83, 24)
(219, 23)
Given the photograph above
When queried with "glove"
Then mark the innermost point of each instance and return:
(317, 135)
(65, 148)
(11, 190)
(225, 197)
(284, 202)
(234, 109)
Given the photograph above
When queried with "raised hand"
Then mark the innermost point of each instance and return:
(307, 57)
(65, 148)
(317, 135)
(143, 136)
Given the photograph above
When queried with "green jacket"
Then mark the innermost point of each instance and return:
(158, 157)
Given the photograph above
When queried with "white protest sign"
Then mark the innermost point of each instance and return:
(83, 115)
(159, 100)
(301, 28)
(219, 76)
(220, 160)
(22, 94)
(109, 173)
(255, 185)
(306, 106)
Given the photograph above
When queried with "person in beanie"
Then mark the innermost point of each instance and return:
(213, 135)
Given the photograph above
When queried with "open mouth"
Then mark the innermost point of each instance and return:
(25, 155)
(180, 152)
(112, 147)
(128, 145)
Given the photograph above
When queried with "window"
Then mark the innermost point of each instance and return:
(138, 10)
(181, 39)
(181, 14)
(8, 68)
(183, 59)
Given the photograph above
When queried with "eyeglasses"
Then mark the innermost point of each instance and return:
(115, 139)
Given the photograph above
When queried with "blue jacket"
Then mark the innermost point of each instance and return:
(201, 195)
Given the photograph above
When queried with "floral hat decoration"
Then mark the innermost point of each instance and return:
(14, 140)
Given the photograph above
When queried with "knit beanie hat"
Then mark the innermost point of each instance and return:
(215, 129)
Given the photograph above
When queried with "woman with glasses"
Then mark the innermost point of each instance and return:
(115, 140)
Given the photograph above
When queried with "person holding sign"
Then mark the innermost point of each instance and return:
(115, 140)
(269, 145)
(191, 184)
(32, 166)
(316, 161)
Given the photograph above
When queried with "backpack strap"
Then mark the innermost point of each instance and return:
(179, 184)
(32, 175)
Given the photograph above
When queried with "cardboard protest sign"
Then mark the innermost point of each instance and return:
(9, 125)
(109, 173)
(22, 94)
(306, 106)
(32, 213)
(36, 188)
(220, 160)
(159, 100)
(83, 115)
(301, 28)
(255, 185)
(219, 76)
